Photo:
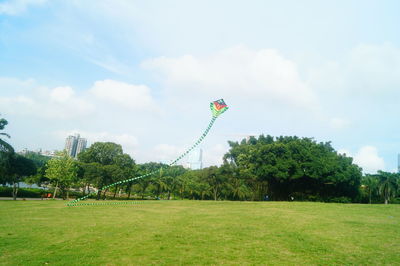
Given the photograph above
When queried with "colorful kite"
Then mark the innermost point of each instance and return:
(217, 108)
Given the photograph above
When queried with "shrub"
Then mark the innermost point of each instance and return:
(339, 200)
(22, 192)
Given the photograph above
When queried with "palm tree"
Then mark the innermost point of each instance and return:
(6, 154)
(238, 188)
(4, 146)
(387, 185)
(160, 183)
(371, 183)
(171, 179)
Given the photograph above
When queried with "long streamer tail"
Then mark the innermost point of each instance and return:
(200, 139)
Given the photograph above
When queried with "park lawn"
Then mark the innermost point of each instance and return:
(198, 232)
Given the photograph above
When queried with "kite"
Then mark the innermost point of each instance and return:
(217, 108)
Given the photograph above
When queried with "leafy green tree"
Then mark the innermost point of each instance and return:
(144, 183)
(115, 174)
(371, 184)
(214, 179)
(40, 162)
(4, 146)
(235, 187)
(182, 182)
(193, 188)
(158, 182)
(111, 163)
(17, 169)
(13, 167)
(62, 172)
(38, 159)
(171, 180)
(284, 167)
(92, 173)
(128, 169)
(39, 178)
(104, 153)
(6, 153)
(387, 185)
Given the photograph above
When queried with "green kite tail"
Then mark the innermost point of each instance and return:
(217, 108)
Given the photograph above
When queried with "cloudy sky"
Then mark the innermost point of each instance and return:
(142, 74)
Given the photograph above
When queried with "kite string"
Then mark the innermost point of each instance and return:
(75, 202)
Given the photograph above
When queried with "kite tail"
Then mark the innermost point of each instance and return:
(197, 142)
(75, 202)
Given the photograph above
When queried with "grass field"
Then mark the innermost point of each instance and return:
(198, 232)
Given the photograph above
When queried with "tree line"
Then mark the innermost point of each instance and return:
(262, 168)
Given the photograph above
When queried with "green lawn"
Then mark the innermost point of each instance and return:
(198, 232)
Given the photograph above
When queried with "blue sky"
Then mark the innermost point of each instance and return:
(141, 73)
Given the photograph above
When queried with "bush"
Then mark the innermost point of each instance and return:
(395, 201)
(22, 192)
(339, 200)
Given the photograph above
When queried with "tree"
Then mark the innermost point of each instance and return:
(16, 169)
(128, 169)
(6, 153)
(144, 183)
(371, 184)
(13, 167)
(171, 180)
(284, 167)
(212, 176)
(111, 163)
(92, 173)
(62, 172)
(104, 153)
(4, 146)
(40, 162)
(234, 187)
(38, 159)
(158, 181)
(387, 185)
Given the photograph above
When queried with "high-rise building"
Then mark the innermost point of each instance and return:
(74, 145)
(70, 145)
(398, 163)
(195, 161)
(80, 146)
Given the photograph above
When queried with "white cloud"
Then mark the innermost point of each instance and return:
(61, 94)
(214, 155)
(66, 103)
(123, 94)
(238, 72)
(128, 142)
(167, 153)
(15, 7)
(368, 71)
(58, 103)
(367, 157)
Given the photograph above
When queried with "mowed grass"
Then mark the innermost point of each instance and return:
(198, 232)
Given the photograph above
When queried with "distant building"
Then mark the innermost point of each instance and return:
(75, 145)
(398, 163)
(70, 145)
(80, 146)
(48, 153)
(25, 151)
(195, 161)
